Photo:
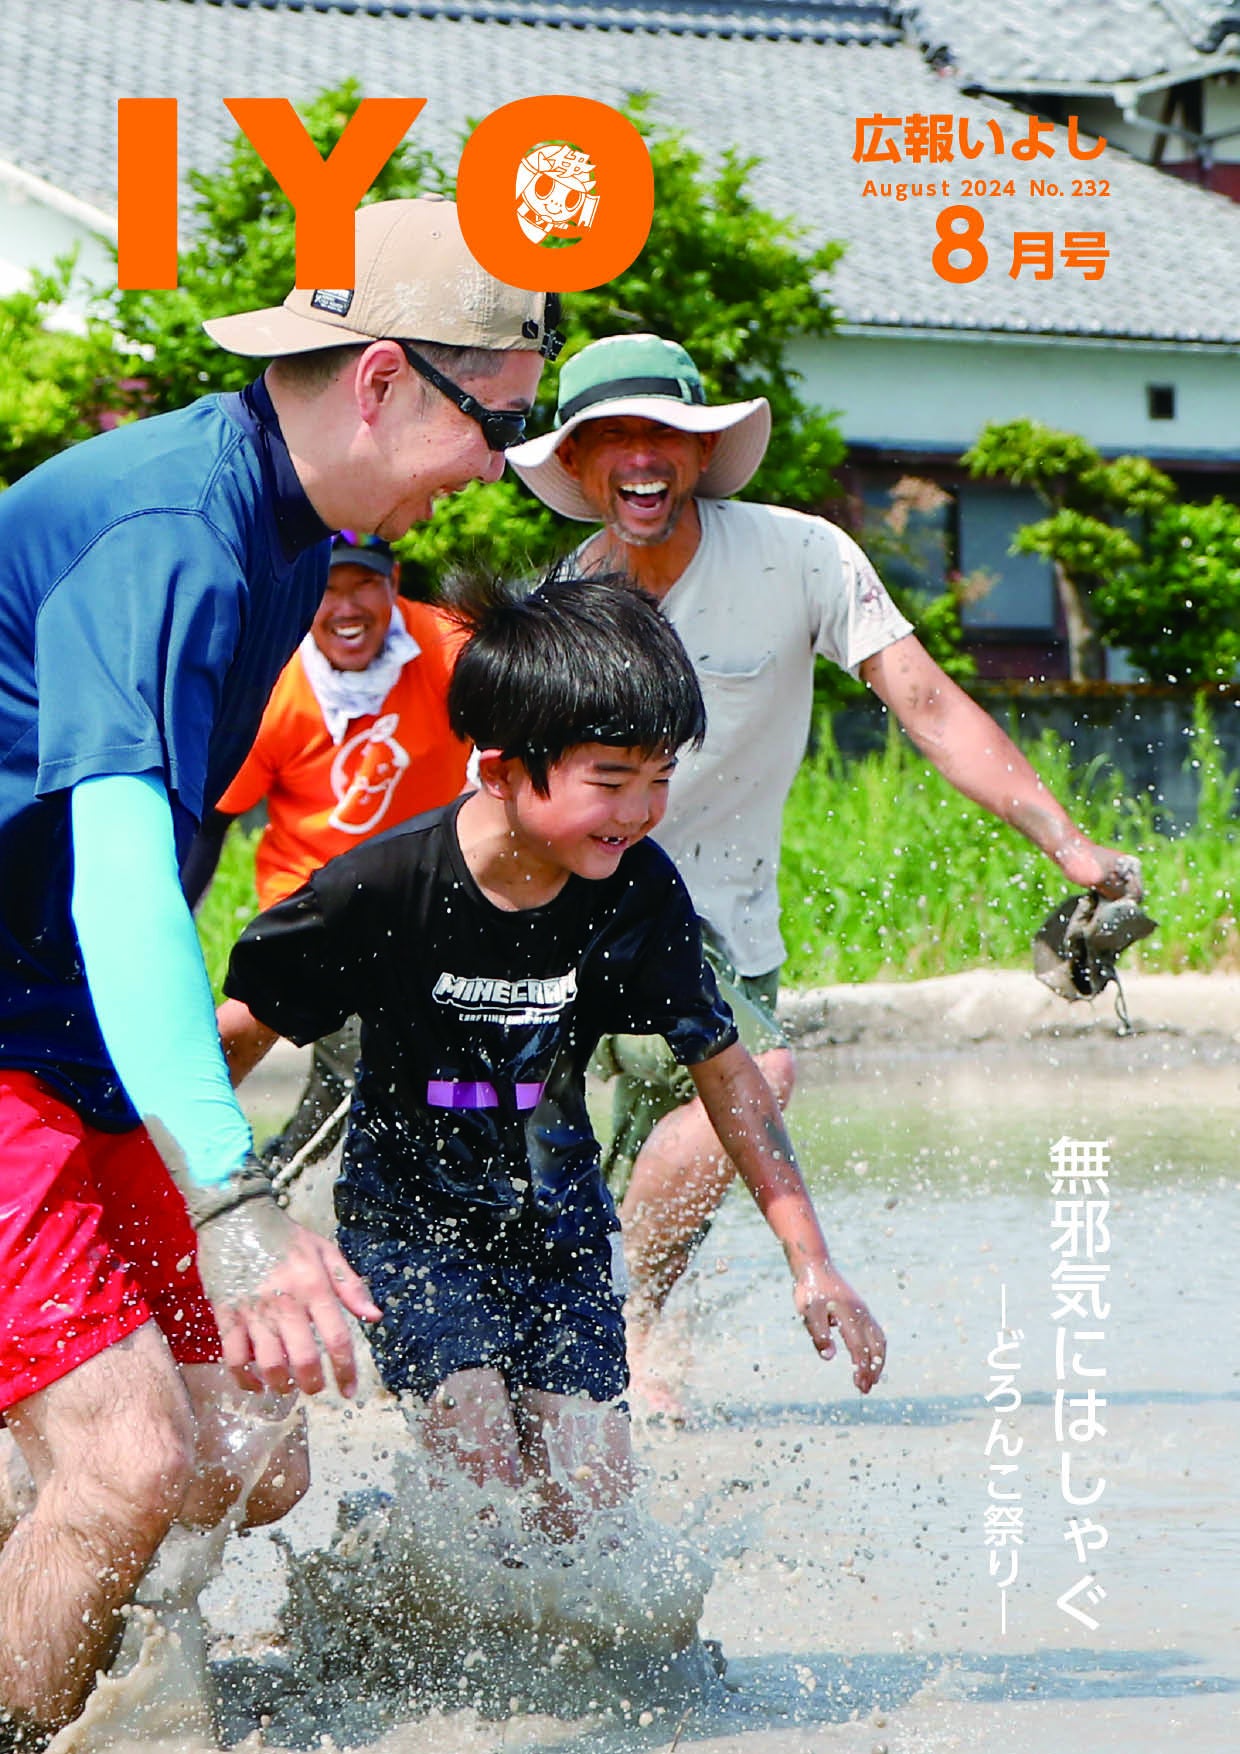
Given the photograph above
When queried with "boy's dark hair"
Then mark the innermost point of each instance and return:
(577, 660)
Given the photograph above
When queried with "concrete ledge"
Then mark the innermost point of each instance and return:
(1006, 1005)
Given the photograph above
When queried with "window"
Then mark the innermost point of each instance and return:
(1022, 592)
(1160, 401)
(907, 532)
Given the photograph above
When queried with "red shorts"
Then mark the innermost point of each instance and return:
(94, 1241)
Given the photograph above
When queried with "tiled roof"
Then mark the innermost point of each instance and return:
(1018, 45)
(1174, 249)
(822, 21)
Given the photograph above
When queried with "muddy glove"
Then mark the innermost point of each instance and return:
(1074, 953)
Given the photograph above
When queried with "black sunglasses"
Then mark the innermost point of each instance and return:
(500, 426)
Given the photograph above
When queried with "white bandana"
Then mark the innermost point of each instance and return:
(345, 695)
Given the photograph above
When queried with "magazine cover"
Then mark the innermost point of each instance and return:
(891, 351)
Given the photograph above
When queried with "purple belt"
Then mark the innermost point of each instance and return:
(450, 1093)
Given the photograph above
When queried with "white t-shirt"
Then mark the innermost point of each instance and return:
(766, 590)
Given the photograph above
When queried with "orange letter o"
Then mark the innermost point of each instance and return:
(487, 203)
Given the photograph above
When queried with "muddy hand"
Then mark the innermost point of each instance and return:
(279, 1293)
(826, 1302)
(1110, 872)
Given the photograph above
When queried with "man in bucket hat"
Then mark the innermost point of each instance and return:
(153, 582)
(755, 592)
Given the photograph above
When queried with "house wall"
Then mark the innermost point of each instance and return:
(1100, 118)
(1221, 116)
(32, 235)
(936, 393)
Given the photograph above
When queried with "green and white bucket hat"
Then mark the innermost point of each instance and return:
(652, 379)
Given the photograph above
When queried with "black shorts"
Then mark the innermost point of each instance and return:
(461, 1290)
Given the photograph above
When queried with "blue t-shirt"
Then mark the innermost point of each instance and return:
(153, 582)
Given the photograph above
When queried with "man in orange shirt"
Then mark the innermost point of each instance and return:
(354, 739)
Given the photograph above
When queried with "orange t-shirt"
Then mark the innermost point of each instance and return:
(322, 797)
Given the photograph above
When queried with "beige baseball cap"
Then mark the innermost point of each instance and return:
(416, 281)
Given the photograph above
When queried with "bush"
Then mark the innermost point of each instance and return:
(889, 874)
(54, 385)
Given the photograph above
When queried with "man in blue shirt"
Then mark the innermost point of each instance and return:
(153, 582)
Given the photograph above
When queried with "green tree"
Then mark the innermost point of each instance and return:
(1093, 506)
(1176, 609)
(1136, 568)
(54, 384)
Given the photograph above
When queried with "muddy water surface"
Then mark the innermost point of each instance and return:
(845, 1539)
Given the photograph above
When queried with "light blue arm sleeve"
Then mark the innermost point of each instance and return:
(145, 971)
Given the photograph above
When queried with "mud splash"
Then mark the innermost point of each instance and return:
(158, 1694)
(449, 1594)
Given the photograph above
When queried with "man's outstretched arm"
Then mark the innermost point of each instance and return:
(982, 762)
(272, 1283)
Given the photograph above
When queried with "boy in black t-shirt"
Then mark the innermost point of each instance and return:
(486, 947)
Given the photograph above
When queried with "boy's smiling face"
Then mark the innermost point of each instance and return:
(603, 799)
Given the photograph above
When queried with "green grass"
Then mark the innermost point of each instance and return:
(888, 873)
(229, 904)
